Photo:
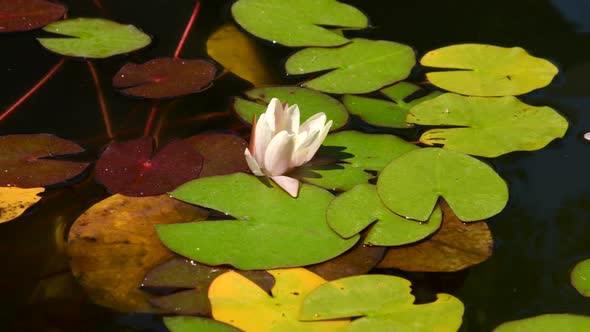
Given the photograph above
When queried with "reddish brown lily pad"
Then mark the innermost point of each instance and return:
(223, 153)
(165, 77)
(455, 246)
(24, 15)
(114, 244)
(128, 167)
(360, 259)
(25, 160)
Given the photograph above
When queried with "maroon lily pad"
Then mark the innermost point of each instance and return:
(223, 153)
(24, 15)
(128, 168)
(24, 160)
(165, 77)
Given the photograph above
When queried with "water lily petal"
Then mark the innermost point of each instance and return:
(289, 184)
(308, 148)
(262, 136)
(278, 154)
(273, 110)
(294, 118)
(252, 163)
(314, 123)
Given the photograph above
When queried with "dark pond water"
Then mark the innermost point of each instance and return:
(539, 236)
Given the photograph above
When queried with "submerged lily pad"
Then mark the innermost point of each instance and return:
(93, 38)
(15, 201)
(487, 70)
(487, 127)
(412, 184)
(273, 229)
(222, 153)
(547, 323)
(358, 67)
(130, 169)
(299, 23)
(165, 77)
(193, 324)
(114, 244)
(360, 259)
(381, 303)
(378, 112)
(360, 207)
(309, 101)
(356, 160)
(24, 15)
(580, 277)
(26, 160)
(455, 246)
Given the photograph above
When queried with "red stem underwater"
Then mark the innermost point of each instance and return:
(33, 89)
(101, 101)
(150, 120)
(190, 24)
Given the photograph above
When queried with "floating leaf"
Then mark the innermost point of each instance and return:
(580, 277)
(238, 301)
(487, 70)
(360, 207)
(14, 201)
(547, 323)
(114, 243)
(128, 168)
(298, 23)
(384, 113)
(358, 67)
(455, 246)
(411, 185)
(384, 303)
(272, 230)
(239, 54)
(487, 127)
(310, 102)
(25, 161)
(194, 324)
(93, 38)
(24, 15)
(222, 153)
(350, 147)
(165, 77)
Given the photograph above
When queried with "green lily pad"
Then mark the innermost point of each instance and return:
(411, 185)
(309, 101)
(487, 70)
(547, 323)
(350, 147)
(580, 277)
(383, 303)
(192, 324)
(273, 229)
(298, 23)
(360, 207)
(94, 38)
(487, 127)
(358, 67)
(378, 112)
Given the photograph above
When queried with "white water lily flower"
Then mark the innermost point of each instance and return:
(278, 144)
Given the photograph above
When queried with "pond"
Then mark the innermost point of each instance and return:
(537, 238)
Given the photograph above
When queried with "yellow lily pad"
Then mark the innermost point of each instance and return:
(14, 201)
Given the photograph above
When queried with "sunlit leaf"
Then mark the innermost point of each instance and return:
(379, 112)
(24, 15)
(547, 323)
(222, 153)
(360, 207)
(114, 244)
(272, 228)
(164, 77)
(455, 246)
(487, 127)
(195, 324)
(350, 149)
(298, 23)
(580, 277)
(412, 184)
(487, 70)
(14, 201)
(129, 168)
(239, 54)
(238, 301)
(26, 160)
(358, 67)
(93, 38)
(383, 303)
(309, 101)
